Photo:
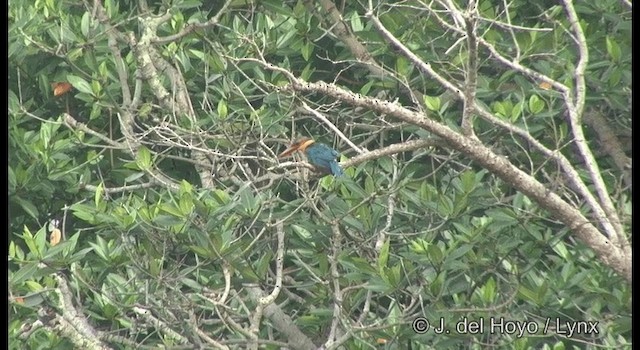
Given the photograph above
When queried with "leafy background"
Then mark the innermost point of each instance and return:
(159, 168)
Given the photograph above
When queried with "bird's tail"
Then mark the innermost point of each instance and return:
(336, 170)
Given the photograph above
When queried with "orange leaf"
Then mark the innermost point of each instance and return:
(19, 300)
(381, 341)
(60, 88)
(544, 85)
(54, 237)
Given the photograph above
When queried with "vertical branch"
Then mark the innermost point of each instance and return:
(470, 20)
(391, 200)
(73, 323)
(575, 107)
(510, 29)
(604, 213)
(280, 321)
(279, 267)
(336, 247)
(628, 4)
(610, 144)
(265, 301)
(112, 40)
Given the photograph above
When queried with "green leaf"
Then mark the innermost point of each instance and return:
(306, 50)
(14, 102)
(191, 284)
(457, 253)
(222, 109)
(516, 111)
(613, 49)
(561, 250)
(167, 220)
(432, 103)
(33, 300)
(436, 286)
(302, 232)
(143, 158)
(499, 109)
(435, 253)
(356, 22)
(419, 246)
(468, 181)
(80, 84)
(535, 104)
(379, 285)
(28, 207)
(96, 88)
(203, 252)
(134, 176)
(98, 195)
(383, 257)
(356, 264)
(26, 272)
(386, 164)
(13, 183)
(527, 293)
(186, 204)
(218, 63)
(45, 135)
(366, 88)
(85, 24)
(489, 290)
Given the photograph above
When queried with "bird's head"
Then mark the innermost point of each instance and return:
(298, 145)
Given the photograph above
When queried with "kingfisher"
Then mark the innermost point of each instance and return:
(320, 155)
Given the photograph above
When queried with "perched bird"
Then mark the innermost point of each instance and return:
(320, 155)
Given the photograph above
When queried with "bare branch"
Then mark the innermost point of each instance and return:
(73, 124)
(425, 68)
(331, 126)
(113, 37)
(575, 107)
(160, 325)
(344, 33)
(336, 249)
(628, 4)
(110, 190)
(610, 144)
(72, 323)
(282, 322)
(192, 27)
(608, 222)
(471, 83)
(613, 255)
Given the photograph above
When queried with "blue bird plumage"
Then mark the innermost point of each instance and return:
(324, 157)
(320, 155)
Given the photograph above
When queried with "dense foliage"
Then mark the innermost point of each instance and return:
(148, 208)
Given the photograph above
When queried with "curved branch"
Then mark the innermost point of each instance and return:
(610, 144)
(72, 323)
(471, 83)
(282, 322)
(616, 257)
(575, 108)
(192, 27)
(113, 36)
(425, 68)
(569, 171)
(360, 51)
(331, 126)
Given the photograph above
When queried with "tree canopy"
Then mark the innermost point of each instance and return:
(486, 200)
